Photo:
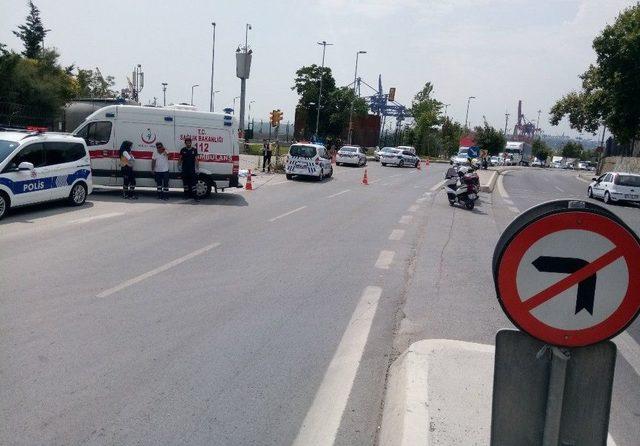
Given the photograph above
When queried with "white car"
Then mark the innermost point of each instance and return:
(351, 155)
(37, 167)
(308, 160)
(400, 158)
(615, 186)
(378, 153)
(408, 148)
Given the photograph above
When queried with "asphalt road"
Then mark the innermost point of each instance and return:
(254, 318)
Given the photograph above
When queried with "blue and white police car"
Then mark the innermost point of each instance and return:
(37, 167)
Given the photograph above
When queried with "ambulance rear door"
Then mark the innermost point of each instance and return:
(99, 134)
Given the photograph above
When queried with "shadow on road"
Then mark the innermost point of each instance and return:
(175, 197)
(31, 213)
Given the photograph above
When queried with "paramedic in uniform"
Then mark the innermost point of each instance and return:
(189, 164)
(126, 167)
(160, 167)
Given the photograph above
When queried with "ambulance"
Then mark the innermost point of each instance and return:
(213, 134)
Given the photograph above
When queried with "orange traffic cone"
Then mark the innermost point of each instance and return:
(365, 178)
(427, 161)
(418, 165)
(248, 185)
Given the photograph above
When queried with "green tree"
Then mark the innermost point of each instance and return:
(425, 110)
(490, 139)
(572, 149)
(92, 84)
(450, 134)
(32, 33)
(610, 87)
(540, 149)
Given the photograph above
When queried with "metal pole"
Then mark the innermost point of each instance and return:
(324, 48)
(164, 94)
(243, 81)
(355, 78)
(213, 58)
(555, 396)
(192, 87)
(506, 123)
(466, 119)
(445, 109)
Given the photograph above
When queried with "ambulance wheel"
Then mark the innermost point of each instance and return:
(289, 176)
(321, 176)
(78, 194)
(203, 188)
(330, 174)
(4, 205)
(384, 164)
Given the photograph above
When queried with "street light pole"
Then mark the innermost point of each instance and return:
(192, 87)
(324, 48)
(466, 119)
(213, 58)
(355, 79)
(445, 109)
(249, 112)
(164, 94)
(234, 104)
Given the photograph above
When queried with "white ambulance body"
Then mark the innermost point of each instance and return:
(213, 134)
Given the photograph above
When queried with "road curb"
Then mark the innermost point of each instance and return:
(439, 392)
(488, 187)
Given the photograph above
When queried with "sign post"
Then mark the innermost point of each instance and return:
(566, 273)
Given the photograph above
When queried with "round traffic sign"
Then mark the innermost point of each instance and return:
(568, 273)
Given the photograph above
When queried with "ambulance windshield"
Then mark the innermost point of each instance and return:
(302, 151)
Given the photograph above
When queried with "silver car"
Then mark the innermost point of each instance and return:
(379, 152)
(400, 158)
(353, 155)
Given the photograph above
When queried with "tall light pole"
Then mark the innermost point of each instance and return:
(249, 112)
(506, 122)
(324, 49)
(234, 104)
(243, 79)
(538, 122)
(355, 80)
(466, 119)
(213, 96)
(213, 58)
(445, 109)
(164, 94)
(192, 87)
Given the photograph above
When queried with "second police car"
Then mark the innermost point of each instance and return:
(308, 160)
(400, 158)
(37, 167)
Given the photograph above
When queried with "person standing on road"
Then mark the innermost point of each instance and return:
(266, 153)
(188, 162)
(126, 167)
(160, 167)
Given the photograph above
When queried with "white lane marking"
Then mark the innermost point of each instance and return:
(559, 189)
(97, 217)
(277, 182)
(421, 200)
(396, 234)
(509, 202)
(158, 270)
(406, 219)
(339, 193)
(322, 421)
(437, 186)
(375, 181)
(629, 349)
(413, 208)
(514, 209)
(583, 179)
(413, 171)
(384, 259)
(286, 213)
(395, 176)
(385, 184)
(610, 441)
(501, 190)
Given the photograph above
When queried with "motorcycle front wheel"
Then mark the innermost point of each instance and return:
(469, 204)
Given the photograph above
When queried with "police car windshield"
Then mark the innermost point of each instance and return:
(6, 147)
(302, 151)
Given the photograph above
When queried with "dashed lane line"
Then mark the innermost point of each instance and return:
(286, 213)
(406, 219)
(97, 217)
(158, 270)
(413, 208)
(514, 209)
(339, 193)
(629, 349)
(323, 418)
(385, 259)
(437, 186)
(396, 234)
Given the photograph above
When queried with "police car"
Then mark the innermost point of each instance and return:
(308, 160)
(37, 167)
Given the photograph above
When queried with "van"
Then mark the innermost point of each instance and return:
(213, 134)
(37, 167)
(308, 160)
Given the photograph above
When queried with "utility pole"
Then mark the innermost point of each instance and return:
(192, 87)
(324, 48)
(234, 104)
(506, 122)
(538, 122)
(213, 58)
(137, 82)
(355, 80)
(243, 66)
(466, 119)
(445, 110)
(164, 94)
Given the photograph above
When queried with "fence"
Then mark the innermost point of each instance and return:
(262, 130)
(18, 115)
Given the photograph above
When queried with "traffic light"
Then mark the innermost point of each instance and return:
(272, 118)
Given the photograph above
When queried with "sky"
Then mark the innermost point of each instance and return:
(499, 51)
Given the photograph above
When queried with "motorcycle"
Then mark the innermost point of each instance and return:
(462, 185)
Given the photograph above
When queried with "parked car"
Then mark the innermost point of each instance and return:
(494, 161)
(400, 158)
(37, 167)
(409, 148)
(615, 186)
(308, 160)
(376, 154)
(351, 155)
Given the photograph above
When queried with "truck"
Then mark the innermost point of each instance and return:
(214, 135)
(519, 152)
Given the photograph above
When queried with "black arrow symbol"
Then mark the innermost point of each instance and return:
(568, 265)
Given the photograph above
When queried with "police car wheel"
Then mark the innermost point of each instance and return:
(401, 163)
(78, 195)
(289, 176)
(4, 205)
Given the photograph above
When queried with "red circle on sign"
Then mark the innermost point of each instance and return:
(625, 244)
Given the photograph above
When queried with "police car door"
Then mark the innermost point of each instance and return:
(28, 186)
(66, 162)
